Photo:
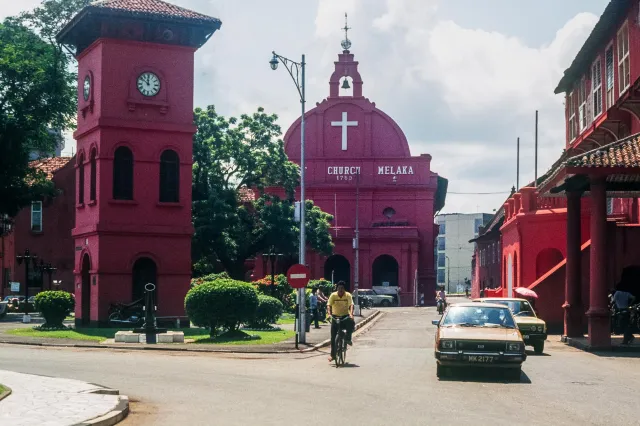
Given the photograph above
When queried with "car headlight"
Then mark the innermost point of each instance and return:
(514, 347)
(448, 344)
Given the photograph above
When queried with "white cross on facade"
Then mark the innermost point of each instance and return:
(345, 125)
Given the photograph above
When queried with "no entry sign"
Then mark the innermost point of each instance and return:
(298, 276)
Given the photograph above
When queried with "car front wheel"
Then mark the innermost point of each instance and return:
(538, 347)
(440, 371)
(385, 303)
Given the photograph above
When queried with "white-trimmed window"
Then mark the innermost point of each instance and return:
(596, 87)
(572, 116)
(624, 79)
(609, 67)
(36, 216)
(582, 104)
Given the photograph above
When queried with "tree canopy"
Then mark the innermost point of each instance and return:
(37, 94)
(233, 155)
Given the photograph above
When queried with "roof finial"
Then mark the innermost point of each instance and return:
(346, 43)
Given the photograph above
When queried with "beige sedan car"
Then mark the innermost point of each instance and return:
(479, 335)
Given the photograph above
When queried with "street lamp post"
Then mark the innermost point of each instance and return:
(27, 257)
(297, 72)
(272, 256)
(49, 269)
(356, 246)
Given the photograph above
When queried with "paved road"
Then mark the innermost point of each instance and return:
(391, 381)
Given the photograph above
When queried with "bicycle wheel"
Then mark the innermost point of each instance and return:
(338, 349)
(342, 351)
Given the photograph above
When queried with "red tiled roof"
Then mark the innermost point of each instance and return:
(622, 153)
(50, 165)
(152, 7)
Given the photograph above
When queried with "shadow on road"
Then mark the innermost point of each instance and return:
(347, 365)
(532, 353)
(484, 375)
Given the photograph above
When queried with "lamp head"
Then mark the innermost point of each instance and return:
(274, 62)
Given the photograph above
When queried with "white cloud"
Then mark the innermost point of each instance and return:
(406, 14)
(12, 8)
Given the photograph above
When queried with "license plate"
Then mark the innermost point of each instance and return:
(480, 358)
(526, 337)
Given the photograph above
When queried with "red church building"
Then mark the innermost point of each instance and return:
(357, 157)
(133, 164)
(570, 235)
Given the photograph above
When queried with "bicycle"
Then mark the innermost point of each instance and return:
(340, 344)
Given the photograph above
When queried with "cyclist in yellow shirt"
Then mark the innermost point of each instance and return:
(340, 304)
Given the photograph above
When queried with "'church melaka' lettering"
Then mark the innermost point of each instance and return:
(395, 170)
(343, 170)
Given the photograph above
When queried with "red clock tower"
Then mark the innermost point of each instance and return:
(133, 166)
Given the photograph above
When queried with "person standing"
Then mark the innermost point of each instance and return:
(623, 300)
(313, 305)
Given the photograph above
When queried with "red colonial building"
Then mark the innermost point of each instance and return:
(133, 165)
(358, 156)
(487, 261)
(570, 235)
(44, 230)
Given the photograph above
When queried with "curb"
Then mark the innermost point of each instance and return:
(575, 343)
(6, 393)
(112, 417)
(360, 325)
(182, 349)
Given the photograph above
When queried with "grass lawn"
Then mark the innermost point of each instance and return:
(200, 335)
(3, 389)
(287, 319)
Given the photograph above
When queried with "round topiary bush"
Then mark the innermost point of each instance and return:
(54, 306)
(268, 312)
(221, 304)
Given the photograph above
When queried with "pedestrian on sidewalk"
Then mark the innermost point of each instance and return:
(322, 305)
(313, 304)
(623, 300)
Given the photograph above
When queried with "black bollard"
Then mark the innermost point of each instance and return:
(150, 327)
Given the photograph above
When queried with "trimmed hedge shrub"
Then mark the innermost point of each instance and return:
(222, 304)
(209, 277)
(268, 312)
(54, 306)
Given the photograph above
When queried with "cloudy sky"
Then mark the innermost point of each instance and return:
(462, 78)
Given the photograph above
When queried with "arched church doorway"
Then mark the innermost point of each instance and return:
(144, 272)
(86, 290)
(385, 271)
(338, 268)
(547, 259)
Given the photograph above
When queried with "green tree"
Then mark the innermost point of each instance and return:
(231, 155)
(37, 94)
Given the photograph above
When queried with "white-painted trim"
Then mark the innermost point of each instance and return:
(623, 58)
(596, 89)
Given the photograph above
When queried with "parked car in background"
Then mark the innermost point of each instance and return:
(377, 299)
(479, 335)
(10, 298)
(533, 329)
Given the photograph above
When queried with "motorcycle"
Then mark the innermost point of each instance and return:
(130, 314)
(365, 302)
(441, 304)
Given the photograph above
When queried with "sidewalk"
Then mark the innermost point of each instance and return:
(48, 401)
(314, 338)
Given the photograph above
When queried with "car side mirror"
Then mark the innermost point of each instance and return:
(435, 322)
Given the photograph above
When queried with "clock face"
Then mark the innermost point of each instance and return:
(148, 84)
(87, 88)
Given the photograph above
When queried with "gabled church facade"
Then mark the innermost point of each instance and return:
(358, 162)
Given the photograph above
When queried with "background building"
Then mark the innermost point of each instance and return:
(453, 249)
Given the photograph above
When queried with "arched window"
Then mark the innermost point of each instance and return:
(169, 177)
(92, 192)
(123, 174)
(81, 179)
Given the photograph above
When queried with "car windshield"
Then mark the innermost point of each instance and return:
(477, 316)
(364, 292)
(520, 308)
